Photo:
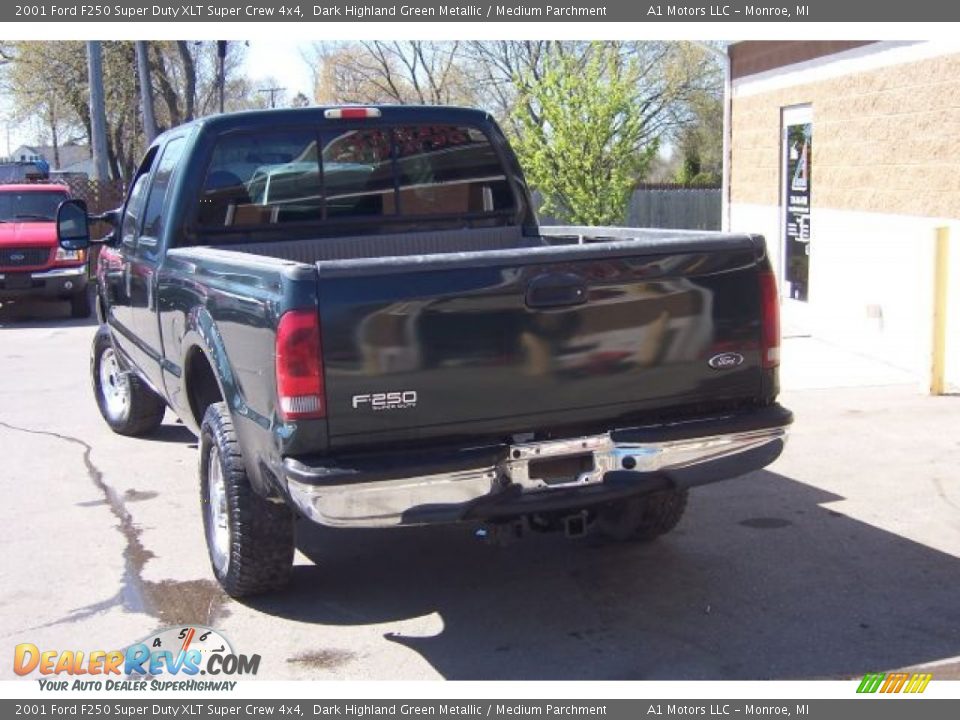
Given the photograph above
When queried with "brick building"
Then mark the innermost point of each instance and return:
(846, 155)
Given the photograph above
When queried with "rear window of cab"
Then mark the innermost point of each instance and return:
(303, 175)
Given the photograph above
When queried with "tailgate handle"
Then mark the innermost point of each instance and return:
(556, 290)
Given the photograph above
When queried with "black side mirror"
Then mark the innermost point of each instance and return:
(111, 218)
(73, 225)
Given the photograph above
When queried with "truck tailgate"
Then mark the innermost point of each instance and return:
(504, 342)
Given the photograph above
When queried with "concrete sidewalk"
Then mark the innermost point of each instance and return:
(808, 363)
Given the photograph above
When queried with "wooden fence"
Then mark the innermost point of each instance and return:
(678, 207)
(100, 196)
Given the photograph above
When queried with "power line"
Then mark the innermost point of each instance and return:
(274, 91)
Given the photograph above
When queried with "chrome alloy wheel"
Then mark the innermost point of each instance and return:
(114, 387)
(218, 526)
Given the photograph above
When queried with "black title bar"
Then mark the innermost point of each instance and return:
(854, 708)
(661, 709)
(615, 11)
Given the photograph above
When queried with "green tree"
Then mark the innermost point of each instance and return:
(47, 84)
(700, 141)
(590, 143)
(669, 74)
(411, 72)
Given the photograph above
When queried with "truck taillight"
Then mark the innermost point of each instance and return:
(770, 331)
(351, 113)
(300, 388)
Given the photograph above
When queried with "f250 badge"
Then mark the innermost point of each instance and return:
(402, 400)
(726, 360)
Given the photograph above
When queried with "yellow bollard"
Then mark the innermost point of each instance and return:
(941, 266)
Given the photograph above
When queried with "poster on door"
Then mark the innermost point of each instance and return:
(799, 155)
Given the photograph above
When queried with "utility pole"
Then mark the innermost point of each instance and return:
(98, 116)
(221, 72)
(273, 94)
(146, 92)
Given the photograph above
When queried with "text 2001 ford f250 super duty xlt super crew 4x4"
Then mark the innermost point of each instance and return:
(355, 310)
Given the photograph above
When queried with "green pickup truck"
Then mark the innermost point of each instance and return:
(357, 312)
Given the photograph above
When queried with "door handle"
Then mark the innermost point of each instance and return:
(552, 290)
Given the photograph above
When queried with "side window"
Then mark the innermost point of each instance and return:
(133, 210)
(153, 215)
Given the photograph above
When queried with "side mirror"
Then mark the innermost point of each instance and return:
(73, 228)
(111, 218)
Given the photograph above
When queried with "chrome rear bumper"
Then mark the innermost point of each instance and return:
(513, 482)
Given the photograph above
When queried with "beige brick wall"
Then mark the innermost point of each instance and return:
(886, 140)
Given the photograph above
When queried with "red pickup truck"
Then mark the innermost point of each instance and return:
(32, 265)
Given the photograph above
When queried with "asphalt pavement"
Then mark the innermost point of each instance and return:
(841, 558)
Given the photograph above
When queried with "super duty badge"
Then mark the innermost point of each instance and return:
(386, 401)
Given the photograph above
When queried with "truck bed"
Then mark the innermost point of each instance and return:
(466, 240)
(502, 334)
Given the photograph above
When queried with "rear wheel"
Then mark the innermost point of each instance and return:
(643, 518)
(250, 539)
(127, 404)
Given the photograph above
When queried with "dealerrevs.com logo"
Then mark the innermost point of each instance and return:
(171, 659)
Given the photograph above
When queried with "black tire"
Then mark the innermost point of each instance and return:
(141, 412)
(254, 554)
(80, 305)
(643, 518)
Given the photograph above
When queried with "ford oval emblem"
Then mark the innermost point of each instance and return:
(17, 257)
(725, 361)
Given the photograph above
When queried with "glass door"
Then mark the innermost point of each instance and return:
(795, 194)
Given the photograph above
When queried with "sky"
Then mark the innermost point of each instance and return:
(281, 61)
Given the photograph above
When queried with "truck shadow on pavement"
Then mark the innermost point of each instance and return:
(37, 314)
(759, 581)
(172, 431)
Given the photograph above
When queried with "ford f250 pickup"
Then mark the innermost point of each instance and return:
(357, 313)
(31, 264)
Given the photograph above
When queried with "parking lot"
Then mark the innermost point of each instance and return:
(842, 558)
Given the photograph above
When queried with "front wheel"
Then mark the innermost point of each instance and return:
(250, 539)
(645, 517)
(127, 404)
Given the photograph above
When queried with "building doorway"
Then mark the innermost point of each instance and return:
(796, 186)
